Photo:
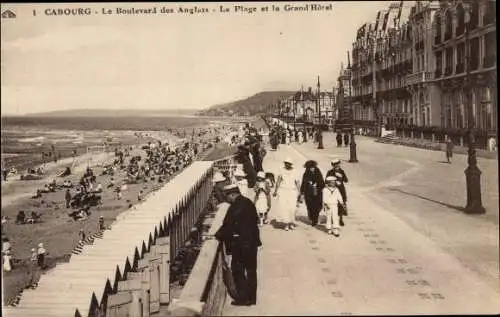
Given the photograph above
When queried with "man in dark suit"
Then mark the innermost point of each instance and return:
(243, 157)
(241, 237)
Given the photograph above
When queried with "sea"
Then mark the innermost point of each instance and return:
(24, 138)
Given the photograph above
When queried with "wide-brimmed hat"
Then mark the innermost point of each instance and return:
(288, 160)
(261, 174)
(218, 177)
(335, 161)
(231, 188)
(310, 163)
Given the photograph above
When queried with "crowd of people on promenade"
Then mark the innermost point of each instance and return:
(287, 134)
(80, 193)
(256, 195)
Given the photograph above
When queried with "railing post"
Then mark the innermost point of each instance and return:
(163, 250)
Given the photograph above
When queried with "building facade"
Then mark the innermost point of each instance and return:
(381, 61)
(425, 95)
(467, 90)
(410, 70)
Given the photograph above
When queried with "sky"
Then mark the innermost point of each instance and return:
(169, 60)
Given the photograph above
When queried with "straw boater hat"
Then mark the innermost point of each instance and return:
(335, 161)
(240, 172)
(288, 160)
(218, 177)
(261, 174)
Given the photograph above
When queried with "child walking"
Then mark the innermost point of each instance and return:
(332, 199)
(262, 199)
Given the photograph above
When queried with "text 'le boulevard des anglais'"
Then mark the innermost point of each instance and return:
(185, 10)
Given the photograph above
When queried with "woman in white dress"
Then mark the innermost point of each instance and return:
(7, 265)
(300, 137)
(288, 184)
(262, 199)
(287, 137)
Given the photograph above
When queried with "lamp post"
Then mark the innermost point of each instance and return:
(295, 132)
(304, 113)
(320, 134)
(472, 172)
(352, 145)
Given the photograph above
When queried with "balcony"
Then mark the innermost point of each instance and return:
(460, 68)
(489, 61)
(419, 77)
(447, 70)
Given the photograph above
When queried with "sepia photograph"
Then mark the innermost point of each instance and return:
(271, 158)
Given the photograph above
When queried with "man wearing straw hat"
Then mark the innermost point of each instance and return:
(241, 181)
(289, 185)
(241, 237)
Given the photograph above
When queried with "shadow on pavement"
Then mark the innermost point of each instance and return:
(458, 208)
(277, 225)
(444, 162)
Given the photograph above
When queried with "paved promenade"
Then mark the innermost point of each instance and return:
(379, 264)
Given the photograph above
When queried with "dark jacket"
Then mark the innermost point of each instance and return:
(343, 179)
(331, 172)
(306, 188)
(240, 225)
(243, 158)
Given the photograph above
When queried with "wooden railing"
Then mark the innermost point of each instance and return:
(147, 285)
(205, 293)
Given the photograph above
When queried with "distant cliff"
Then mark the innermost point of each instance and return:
(254, 105)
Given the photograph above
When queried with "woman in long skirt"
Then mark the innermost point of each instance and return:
(287, 186)
(312, 190)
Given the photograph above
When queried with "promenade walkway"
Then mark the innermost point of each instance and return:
(379, 265)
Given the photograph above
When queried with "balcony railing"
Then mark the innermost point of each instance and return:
(489, 61)
(460, 68)
(419, 77)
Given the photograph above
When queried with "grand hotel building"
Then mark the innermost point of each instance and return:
(413, 73)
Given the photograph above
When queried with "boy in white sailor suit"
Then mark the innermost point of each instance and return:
(331, 199)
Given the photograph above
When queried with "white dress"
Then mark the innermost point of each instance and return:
(261, 203)
(287, 195)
